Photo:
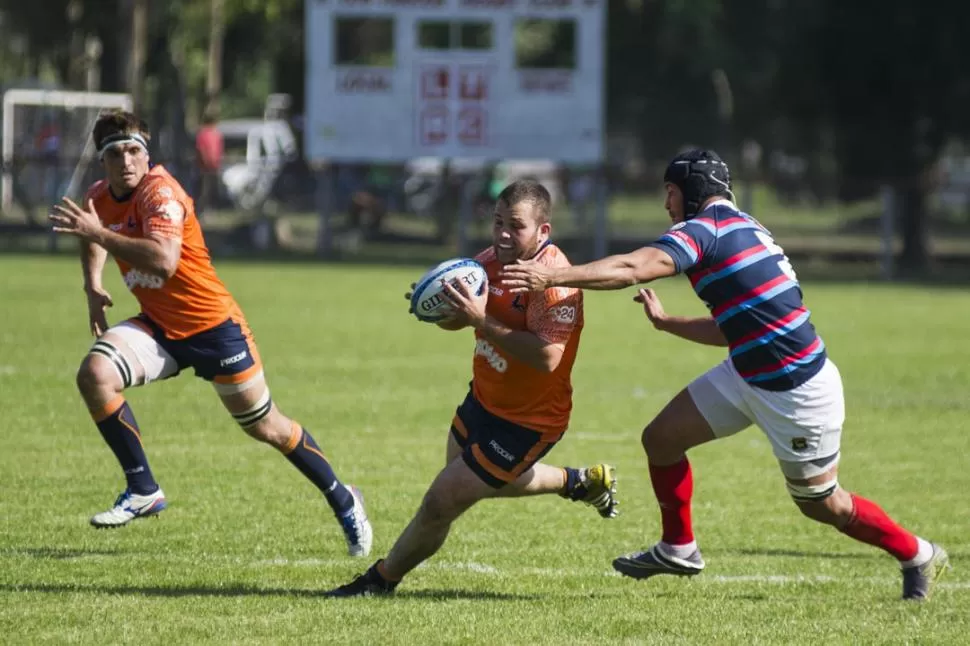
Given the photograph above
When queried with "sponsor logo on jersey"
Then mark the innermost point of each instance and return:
(172, 211)
(135, 278)
(563, 314)
(484, 349)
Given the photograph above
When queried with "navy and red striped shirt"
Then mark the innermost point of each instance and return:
(749, 286)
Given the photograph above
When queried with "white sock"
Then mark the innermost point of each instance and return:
(923, 554)
(677, 551)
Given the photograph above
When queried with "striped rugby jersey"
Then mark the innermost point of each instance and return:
(749, 286)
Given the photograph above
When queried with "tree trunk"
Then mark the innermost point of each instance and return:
(914, 226)
(213, 84)
(111, 62)
(139, 47)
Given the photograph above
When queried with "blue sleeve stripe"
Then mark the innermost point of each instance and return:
(686, 248)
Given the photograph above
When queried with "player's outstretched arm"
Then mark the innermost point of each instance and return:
(612, 272)
(155, 255)
(703, 330)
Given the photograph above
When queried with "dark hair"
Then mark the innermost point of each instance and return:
(528, 190)
(118, 122)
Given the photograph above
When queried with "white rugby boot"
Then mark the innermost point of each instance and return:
(130, 506)
(357, 529)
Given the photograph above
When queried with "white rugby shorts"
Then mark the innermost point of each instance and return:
(804, 424)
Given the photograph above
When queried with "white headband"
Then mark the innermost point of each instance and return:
(121, 139)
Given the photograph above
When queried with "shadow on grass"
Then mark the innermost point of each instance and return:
(176, 591)
(875, 554)
(58, 553)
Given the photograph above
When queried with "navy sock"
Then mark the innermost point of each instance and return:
(309, 459)
(120, 430)
(573, 481)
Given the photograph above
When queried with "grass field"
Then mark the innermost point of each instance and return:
(247, 545)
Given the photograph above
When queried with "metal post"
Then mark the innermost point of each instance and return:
(888, 230)
(6, 186)
(747, 198)
(600, 226)
(324, 197)
(465, 209)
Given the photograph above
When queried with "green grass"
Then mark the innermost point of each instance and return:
(247, 545)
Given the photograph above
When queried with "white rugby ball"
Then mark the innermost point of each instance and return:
(428, 301)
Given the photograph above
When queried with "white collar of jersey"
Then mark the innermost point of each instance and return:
(722, 202)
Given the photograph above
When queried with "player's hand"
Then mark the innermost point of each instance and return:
(526, 276)
(98, 301)
(70, 218)
(652, 306)
(469, 309)
(408, 296)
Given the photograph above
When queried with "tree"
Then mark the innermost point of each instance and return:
(889, 80)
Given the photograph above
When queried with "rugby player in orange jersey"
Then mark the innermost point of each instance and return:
(520, 398)
(142, 217)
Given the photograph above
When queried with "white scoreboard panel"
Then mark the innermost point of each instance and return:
(391, 80)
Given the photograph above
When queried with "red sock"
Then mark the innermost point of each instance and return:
(673, 485)
(870, 524)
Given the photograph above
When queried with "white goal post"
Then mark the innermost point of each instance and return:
(74, 111)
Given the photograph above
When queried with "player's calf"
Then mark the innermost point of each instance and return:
(250, 404)
(826, 503)
(823, 500)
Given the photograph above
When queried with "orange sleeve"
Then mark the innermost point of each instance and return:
(552, 315)
(90, 193)
(161, 212)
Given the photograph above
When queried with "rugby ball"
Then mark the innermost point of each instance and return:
(428, 301)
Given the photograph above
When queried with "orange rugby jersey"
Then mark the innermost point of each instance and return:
(194, 299)
(510, 388)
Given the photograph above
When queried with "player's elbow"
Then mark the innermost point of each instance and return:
(636, 273)
(649, 266)
(165, 267)
(549, 361)
(166, 263)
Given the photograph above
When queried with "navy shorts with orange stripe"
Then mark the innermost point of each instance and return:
(225, 353)
(497, 450)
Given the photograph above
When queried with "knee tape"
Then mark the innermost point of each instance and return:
(812, 493)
